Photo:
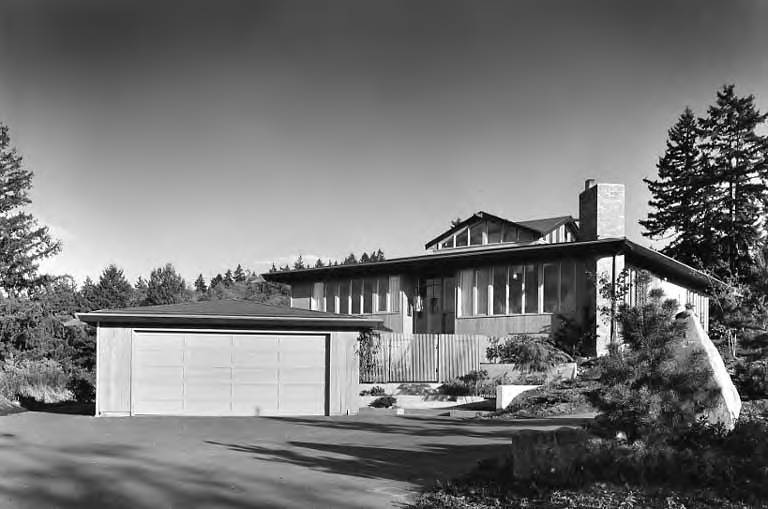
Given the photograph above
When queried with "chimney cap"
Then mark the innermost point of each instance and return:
(589, 183)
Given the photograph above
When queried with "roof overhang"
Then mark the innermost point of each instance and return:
(273, 322)
(639, 256)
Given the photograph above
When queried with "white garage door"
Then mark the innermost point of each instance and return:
(222, 374)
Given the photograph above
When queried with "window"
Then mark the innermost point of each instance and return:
(462, 238)
(382, 285)
(466, 282)
(551, 285)
(531, 288)
(394, 292)
(331, 289)
(476, 234)
(447, 243)
(481, 287)
(510, 234)
(369, 288)
(567, 286)
(357, 290)
(344, 297)
(499, 290)
(494, 232)
(516, 289)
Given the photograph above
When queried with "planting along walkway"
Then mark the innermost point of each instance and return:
(74, 461)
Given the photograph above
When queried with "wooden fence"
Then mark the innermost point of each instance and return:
(411, 358)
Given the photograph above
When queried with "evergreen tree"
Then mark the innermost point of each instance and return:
(350, 260)
(166, 286)
(200, 285)
(364, 258)
(139, 292)
(677, 204)
(299, 263)
(239, 274)
(228, 279)
(736, 162)
(113, 290)
(273, 268)
(88, 295)
(23, 242)
(379, 255)
(216, 281)
(711, 197)
(319, 264)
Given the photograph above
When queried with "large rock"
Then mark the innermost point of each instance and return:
(727, 409)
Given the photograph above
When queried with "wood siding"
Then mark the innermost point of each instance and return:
(540, 324)
(113, 361)
(344, 397)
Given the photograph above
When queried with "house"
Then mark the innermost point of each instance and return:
(493, 276)
(226, 358)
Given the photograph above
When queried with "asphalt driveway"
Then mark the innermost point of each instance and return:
(73, 461)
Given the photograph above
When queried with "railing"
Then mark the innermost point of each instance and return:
(411, 358)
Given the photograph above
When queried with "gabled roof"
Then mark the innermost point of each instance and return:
(226, 312)
(479, 215)
(547, 224)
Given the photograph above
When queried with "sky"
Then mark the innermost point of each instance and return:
(208, 134)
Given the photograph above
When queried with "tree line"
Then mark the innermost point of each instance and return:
(372, 257)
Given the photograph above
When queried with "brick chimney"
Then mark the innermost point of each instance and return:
(601, 211)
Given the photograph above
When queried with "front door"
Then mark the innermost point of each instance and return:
(437, 307)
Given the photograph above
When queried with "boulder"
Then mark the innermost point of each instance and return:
(726, 411)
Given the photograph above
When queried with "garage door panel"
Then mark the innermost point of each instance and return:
(160, 357)
(255, 399)
(257, 343)
(199, 391)
(159, 342)
(207, 341)
(207, 407)
(312, 374)
(249, 358)
(221, 357)
(159, 407)
(255, 375)
(296, 399)
(204, 374)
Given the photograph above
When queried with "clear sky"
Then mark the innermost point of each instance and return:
(211, 134)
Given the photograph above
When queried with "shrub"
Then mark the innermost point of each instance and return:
(383, 402)
(528, 353)
(376, 390)
(651, 388)
(751, 379)
(41, 380)
(473, 383)
(82, 385)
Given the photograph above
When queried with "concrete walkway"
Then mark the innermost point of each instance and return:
(71, 461)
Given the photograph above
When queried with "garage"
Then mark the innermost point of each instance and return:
(225, 358)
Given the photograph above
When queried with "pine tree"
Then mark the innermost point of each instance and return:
(23, 242)
(239, 274)
(350, 260)
(88, 295)
(319, 264)
(299, 263)
(273, 268)
(736, 162)
(113, 290)
(677, 201)
(364, 258)
(379, 255)
(200, 285)
(139, 292)
(228, 279)
(216, 281)
(166, 286)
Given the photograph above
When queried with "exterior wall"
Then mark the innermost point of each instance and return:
(535, 324)
(609, 266)
(343, 395)
(301, 295)
(393, 322)
(114, 348)
(113, 371)
(601, 211)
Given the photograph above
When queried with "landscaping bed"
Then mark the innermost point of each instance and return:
(564, 397)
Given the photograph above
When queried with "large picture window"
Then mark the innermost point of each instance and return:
(369, 289)
(500, 290)
(357, 290)
(551, 287)
(516, 276)
(531, 288)
(344, 297)
(382, 289)
(481, 287)
(331, 290)
(476, 234)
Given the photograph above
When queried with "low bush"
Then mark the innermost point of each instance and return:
(41, 380)
(562, 397)
(383, 402)
(528, 353)
(376, 390)
(751, 379)
(474, 383)
(82, 385)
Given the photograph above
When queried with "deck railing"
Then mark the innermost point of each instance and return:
(428, 358)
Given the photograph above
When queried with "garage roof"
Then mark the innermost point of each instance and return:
(227, 312)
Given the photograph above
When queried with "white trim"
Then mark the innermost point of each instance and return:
(97, 406)
(232, 317)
